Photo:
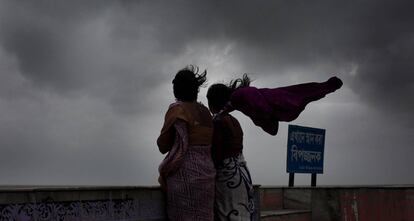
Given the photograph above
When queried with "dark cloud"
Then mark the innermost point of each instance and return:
(371, 39)
(40, 35)
(370, 42)
(76, 48)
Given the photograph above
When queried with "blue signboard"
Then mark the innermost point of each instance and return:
(305, 149)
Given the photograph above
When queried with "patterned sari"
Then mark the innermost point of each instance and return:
(234, 191)
(188, 173)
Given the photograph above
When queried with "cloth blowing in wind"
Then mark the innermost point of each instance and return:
(267, 106)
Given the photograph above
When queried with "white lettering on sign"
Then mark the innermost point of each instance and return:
(303, 155)
(306, 138)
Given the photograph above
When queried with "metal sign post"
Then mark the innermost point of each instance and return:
(305, 152)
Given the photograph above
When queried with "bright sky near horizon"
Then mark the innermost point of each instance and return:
(84, 85)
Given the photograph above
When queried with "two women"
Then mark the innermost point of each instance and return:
(188, 173)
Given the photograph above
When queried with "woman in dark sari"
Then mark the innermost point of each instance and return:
(187, 173)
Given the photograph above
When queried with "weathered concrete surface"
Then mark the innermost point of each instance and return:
(377, 204)
(351, 203)
(87, 203)
(325, 205)
(286, 215)
(297, 198)
(81, 203)
(271, 199)
(358, 203)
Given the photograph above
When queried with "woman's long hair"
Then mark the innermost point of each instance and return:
(240, 82)
(219, 94)
(187, 82)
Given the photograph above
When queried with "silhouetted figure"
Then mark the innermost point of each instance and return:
(187, 173)
(234, 199)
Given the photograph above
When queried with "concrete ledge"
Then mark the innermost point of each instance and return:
(363, 203)
(283, 212)
(287, 215)
(19, 188)
(49, 203)
(93, 203)
(408, 186)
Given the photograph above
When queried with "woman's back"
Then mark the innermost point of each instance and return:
(199, 122)
(227, 138)
(190, 158)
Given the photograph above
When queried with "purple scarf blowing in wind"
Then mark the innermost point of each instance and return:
(267, 106)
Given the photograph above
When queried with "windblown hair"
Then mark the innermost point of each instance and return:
(219, 94)
(187, 82)
(240, 82)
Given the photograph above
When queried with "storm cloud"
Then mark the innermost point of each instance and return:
(84, 85)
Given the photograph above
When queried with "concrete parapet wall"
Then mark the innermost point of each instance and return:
(358, 203)
(353, 203)
(376, 204)
(86, 203)
(81, 203)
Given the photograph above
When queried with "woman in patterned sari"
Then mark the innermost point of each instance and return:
(187, 173)
(234, 198)
(266, 107)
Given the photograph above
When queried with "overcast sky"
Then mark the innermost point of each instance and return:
(84, 85)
